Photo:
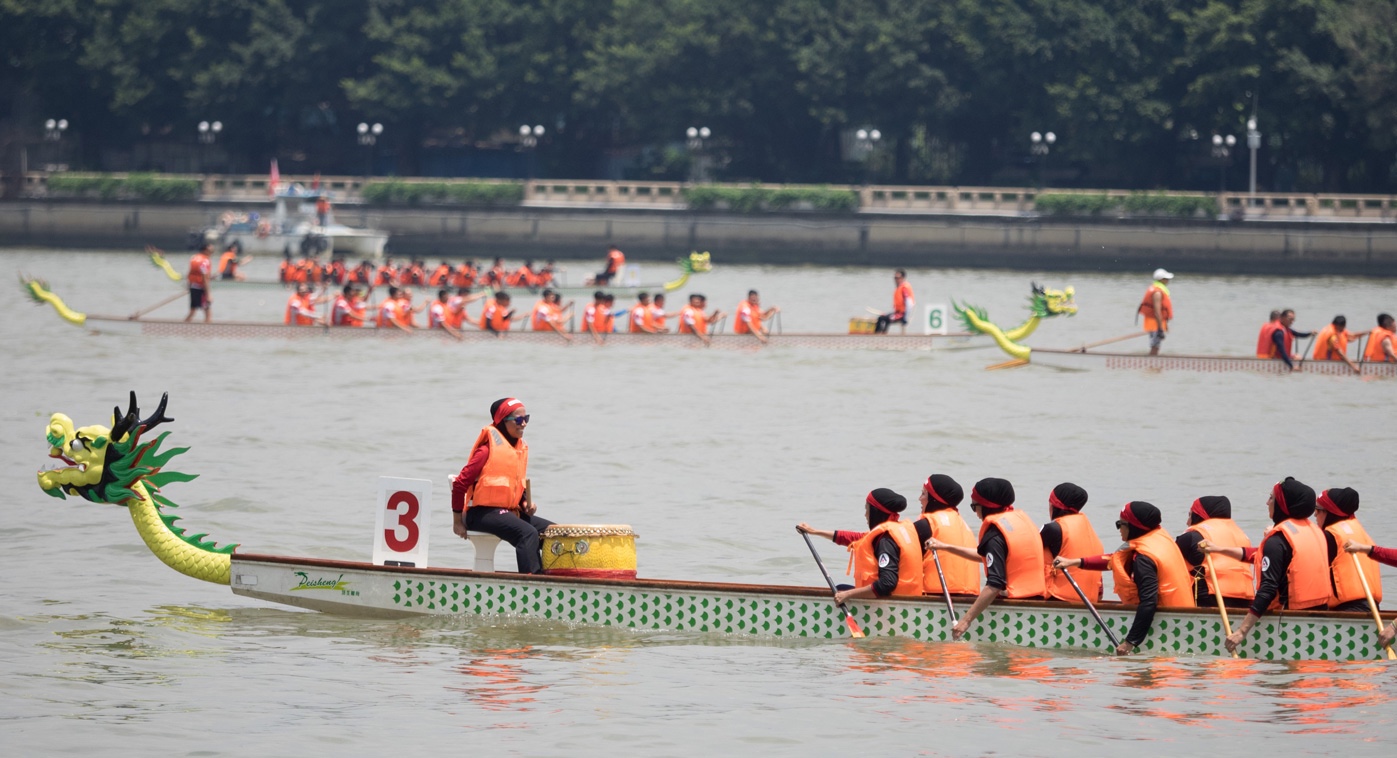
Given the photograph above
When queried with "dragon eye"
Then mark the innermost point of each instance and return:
(76, 444)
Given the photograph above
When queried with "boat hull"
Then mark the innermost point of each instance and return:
(366, 590)
(1075, 359)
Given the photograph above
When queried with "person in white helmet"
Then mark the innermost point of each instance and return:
(1157, 309)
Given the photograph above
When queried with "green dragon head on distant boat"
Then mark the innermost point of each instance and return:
(113, 465)
(1042, 303)
(696, 263)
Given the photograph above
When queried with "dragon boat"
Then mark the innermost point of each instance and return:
(121, 466)
(1043, 304)
(1091, 356)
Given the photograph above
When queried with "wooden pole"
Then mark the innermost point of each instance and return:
(162, 303)
(1217, 594)
(1372, 604)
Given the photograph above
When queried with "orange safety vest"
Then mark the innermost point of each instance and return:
(199, 271)
(700, 320)
(1126, 590)
(639, 318)
(1023, 569)
(1374, 352)
(403, 313)
(746, 312)
(1323, 352)
(909, 566)
(1079, 540)
(454, 315)
(436, 314)
(1175, 580)
(1234, 575)
(348, 313)
(227, 263)
(1147, 308)
(501, 482)
(1265, 348)
(1308, 563)
(657, 317)
(1347, 585)
(614, 261)
(962, 574)
(541, 315)
(901, 297)
(494, 317)
(294, 306)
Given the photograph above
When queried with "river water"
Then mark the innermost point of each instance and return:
(712, 456)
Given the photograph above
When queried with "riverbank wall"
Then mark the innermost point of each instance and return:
(867, 238)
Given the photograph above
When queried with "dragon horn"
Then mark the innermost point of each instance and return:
(124, 424)
(156, 418)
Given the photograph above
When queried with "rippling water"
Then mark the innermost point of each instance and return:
(712, 457)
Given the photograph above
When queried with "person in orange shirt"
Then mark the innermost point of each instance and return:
(300, 308)
(464, 276)
(615, 261)
(1210, 520)
(200, 273)
(348, 308)
(658, 316)
(1335, 514)
(903, 303)
(441, 275)
(693, 321)
(523, 276)
(439, 314)
(546, 274)
(1332, 343)
(336, 272)
(547, 315)
(886, 560)
(750, 316)
(1069, 534)
(386, 314)
(941, 520)
(495, 277)
(361, 274)
(497, 316)
(386, 275)
(597, 318)
(1382, 342)
(1157, 309)
(229, 262)
(641, 318)
(407, 312)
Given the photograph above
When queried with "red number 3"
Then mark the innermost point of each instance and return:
(407, 519)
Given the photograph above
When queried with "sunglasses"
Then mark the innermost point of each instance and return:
(1120, 524)
(518, 419)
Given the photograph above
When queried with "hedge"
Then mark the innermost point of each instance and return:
(393, 192)
(756, 199)
(1136, 204)
(132, 187)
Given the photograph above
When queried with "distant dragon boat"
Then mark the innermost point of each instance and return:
(117, 466)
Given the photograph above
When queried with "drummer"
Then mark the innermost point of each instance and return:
(488, 495)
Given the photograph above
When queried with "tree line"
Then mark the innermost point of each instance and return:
(1133, 90)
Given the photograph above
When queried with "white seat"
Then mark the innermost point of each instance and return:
(484, 545)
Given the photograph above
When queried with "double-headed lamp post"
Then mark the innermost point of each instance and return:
(1222, 151)
(1040, 144)
(694, 137)
(867, 140)
(368, 137)
(208, 134)
(53, 132)
(529, 137)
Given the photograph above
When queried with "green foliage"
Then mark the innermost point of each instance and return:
(1143, 204)
(758, 199)
(394, 192)
(158, 189)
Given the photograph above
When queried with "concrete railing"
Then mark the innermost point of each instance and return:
(875, 198)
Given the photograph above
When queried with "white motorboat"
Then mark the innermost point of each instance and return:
(294, 228)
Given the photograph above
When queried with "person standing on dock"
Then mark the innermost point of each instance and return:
(1332, 343)
(200, 271)
(903, 303)
(1382, 342)
(1009, 546)
(1335, 515)
(491, 495)
(1157, 308)
(1277, 339)
(750, 316)
(1069, 534)
(1210, 519)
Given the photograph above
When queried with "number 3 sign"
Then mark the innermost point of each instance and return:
(403, 523)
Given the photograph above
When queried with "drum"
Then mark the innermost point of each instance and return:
(859, 325)
(595, 551)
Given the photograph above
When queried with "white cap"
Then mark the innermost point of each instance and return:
(1160, 273)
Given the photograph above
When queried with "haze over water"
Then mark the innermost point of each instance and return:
(712, 456)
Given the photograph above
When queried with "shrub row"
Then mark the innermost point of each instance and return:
(392, 192)
(755, 199)
(1135, 204)
(132, 187)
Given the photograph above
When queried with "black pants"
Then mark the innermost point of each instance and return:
(886, 320)
(519, 531)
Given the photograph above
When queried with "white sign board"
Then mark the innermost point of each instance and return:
(403, 525)
(936, 320)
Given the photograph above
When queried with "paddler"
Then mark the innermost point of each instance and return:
(749, 317)
(464, 275)
(348, 308)
(497, 316)
(361, 274)
(386, 275)
(1157, 308)
(885, 561)
(300, 308)
(229, 262)
(1210, 519)
(542, 318)
(1149, 570)
(658, 316)
(615, 261)
(440, 316)
(1386, 556)
(1069, 534)
(693, 321)
(641, 319)
(1335, 515)
(1382, 342)
(489, 496)
(389, 313)
(940, 497)
(1332, 343)
(1291, 565)
(1009, 546)
(1277, 339)
(200, 269)
(903, 303)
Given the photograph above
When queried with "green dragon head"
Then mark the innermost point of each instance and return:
(1046, 303)
(696, 263)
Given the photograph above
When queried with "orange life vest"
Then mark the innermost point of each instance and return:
(1347, 585)
(1175, 580)
(1234, 575)
(962, 574)
(1265, 347)
(494, 317)
(909, 566)
(199, 271)
(440, 276)
(1126, 590)
(436, 314)
(1374, 353)
(464, 276)
(1323, 351)
(615, 260)
(638, 318)
(501, 482)
(348, 312)
(294, 308)
(541, 316)
(228, 263)
(1165, 305)
(1023, 567)
(700, 321)
(454, 315)
(1309, 563)
(747, 314)
(902, 298)
(1079, 540)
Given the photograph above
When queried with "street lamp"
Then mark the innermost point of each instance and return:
(867, 139)
(528, 138)
(368, 137)
(1039, 146)
(1253, 142)
(54, 129)
(695, 137)
(208, 132)
(1222, 151)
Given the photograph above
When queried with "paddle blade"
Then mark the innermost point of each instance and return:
(857, 633)
(1015, 363)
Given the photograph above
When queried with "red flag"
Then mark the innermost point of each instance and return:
(275, 180)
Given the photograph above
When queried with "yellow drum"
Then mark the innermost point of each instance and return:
(596, 551)
(859, 325)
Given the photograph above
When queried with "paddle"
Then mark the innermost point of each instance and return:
(1222, 609)
(854, 630)
(1115, 643)
(166, 301)
(1013, 363)
(945, 591)
(1372, 605)
(1099, 343)
(1306, 353)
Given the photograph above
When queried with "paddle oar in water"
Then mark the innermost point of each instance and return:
(945, 591)
(161, 304)
(1012, 363)
(1306, 352)
(1115, 643)
(1222, 609)
(1372, 605)
(1099, 343)
(854, 630)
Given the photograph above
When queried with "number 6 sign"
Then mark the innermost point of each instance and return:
(403, 523)
(936, 321)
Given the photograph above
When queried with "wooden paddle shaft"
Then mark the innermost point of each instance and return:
(164, 302)
(848, 617)
(1099, 343)
(1099, 621)
(945, 591)
(1217, 595)
(1372, 604)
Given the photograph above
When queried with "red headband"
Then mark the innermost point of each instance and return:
(1128, 516)
(1329, 505)
(1279, 495)
(1056, 503)
(508, 405)
(1198, 510)
(978, 499)
(892, 515)
(933, 494)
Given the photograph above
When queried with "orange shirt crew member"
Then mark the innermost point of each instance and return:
(300, 307)
(903, 303)
(1331, 344)
(200, 269)
(750, 316)
(940, 497)
(1070, 535)
(488, 495)
(497, 316)
(1157, 308)
(348, 308)
(1210, 520)
(1382, 342)
(1335, 515)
